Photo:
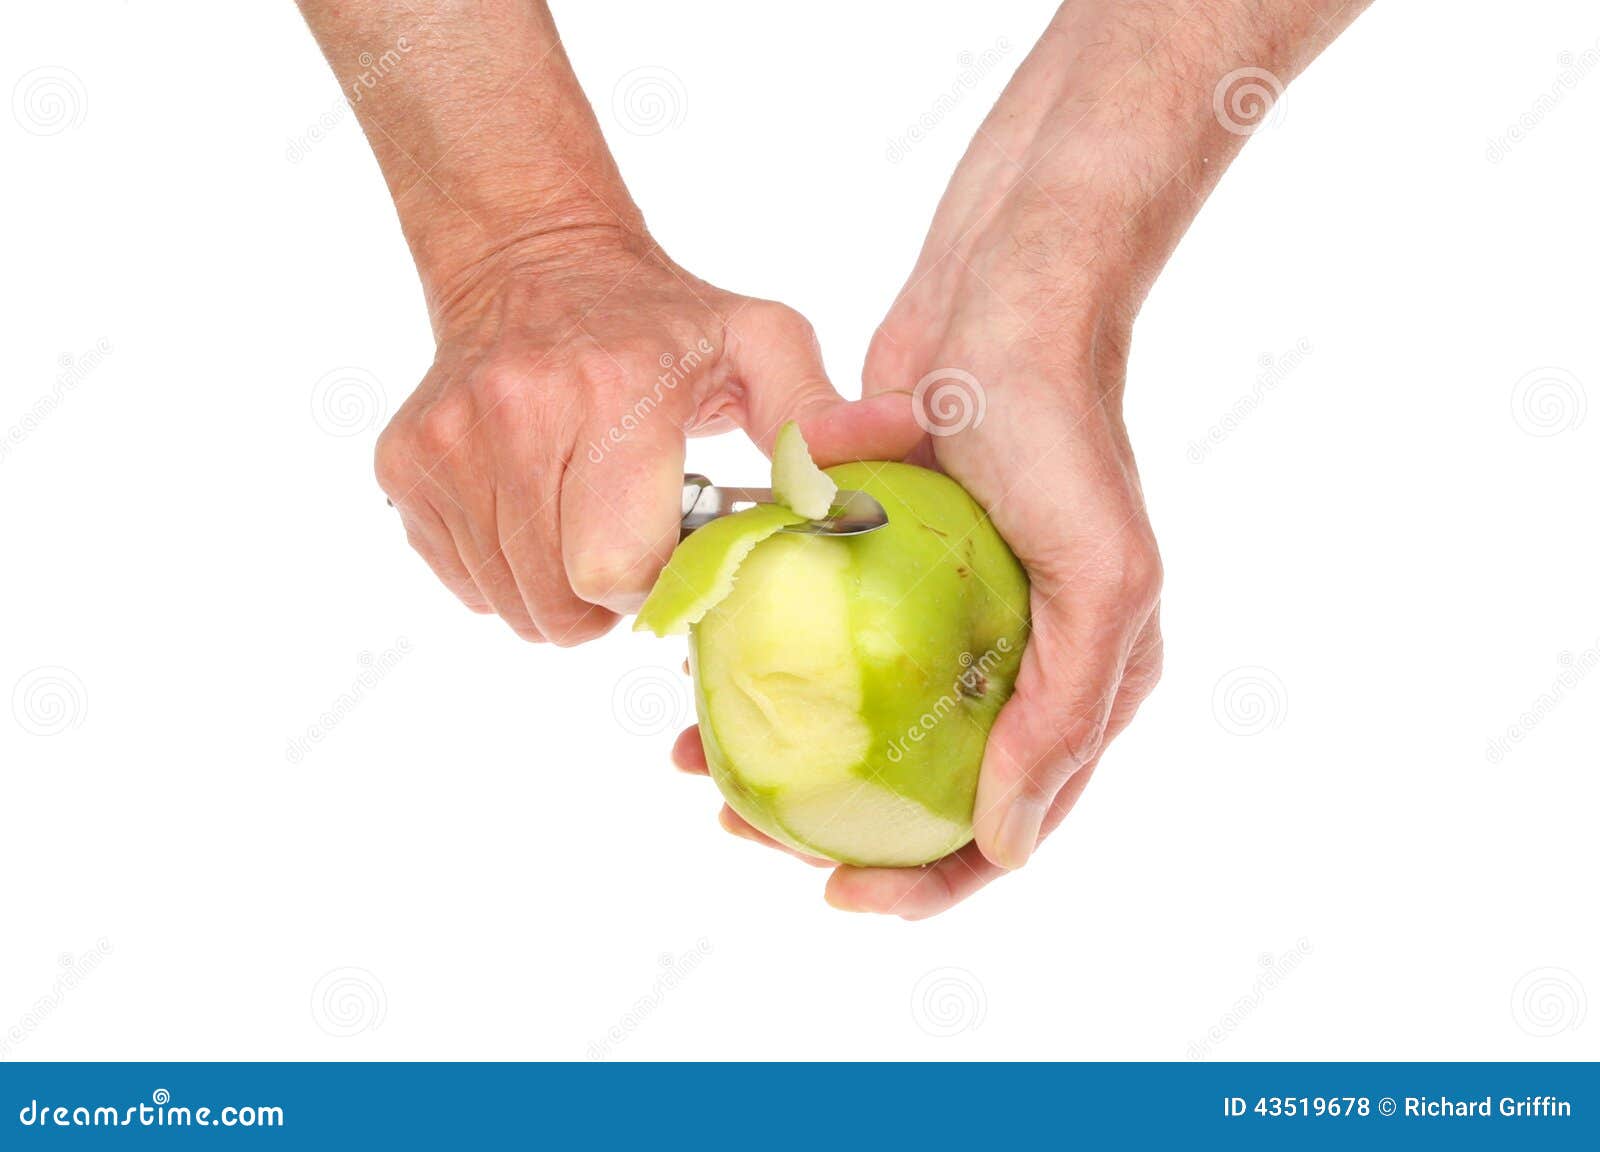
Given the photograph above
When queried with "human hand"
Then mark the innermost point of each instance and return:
(538, 467)
(1008, 347)
(1032, 427)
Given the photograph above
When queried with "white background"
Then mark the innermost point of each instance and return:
(1397, 544)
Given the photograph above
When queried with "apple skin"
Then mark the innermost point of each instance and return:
(846, 687)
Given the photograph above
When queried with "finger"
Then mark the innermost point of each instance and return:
(1054, 723)
(688, 755)
(918, 893)
(621, 504)
(773, 356)
(427, 534)
(479, 550)
(528, 521)
(881, 427)
(911, 893)
(736, 824)
(1139, 677)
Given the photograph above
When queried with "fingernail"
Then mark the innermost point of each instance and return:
(1019, 832)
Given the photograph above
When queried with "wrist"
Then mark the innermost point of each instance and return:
(463, 238)
(1119, 123)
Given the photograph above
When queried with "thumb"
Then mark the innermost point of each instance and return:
(620, 511)
(1053, 725)
(881, 427)
(775, 358)
(777, 365)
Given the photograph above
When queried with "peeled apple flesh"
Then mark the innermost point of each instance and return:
(845, 685)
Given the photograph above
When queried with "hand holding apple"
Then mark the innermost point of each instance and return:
(1050, 463)
(1012, 337)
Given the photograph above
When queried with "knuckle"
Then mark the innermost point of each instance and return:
(501, 383)
(1131, 574)
(440, 428)
(785, 322)
(1069, 734)
(392, 465)
(601, 373)
(1145, 673)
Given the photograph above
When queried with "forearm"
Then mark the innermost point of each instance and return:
(484, 137)
(1121, 121)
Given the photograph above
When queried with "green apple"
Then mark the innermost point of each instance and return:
(846, 685)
